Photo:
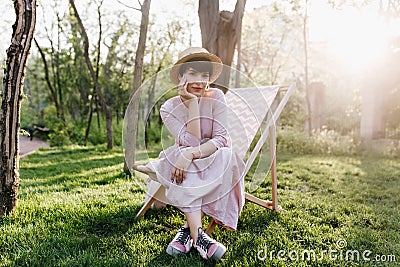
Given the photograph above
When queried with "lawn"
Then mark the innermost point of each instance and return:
(76, 208)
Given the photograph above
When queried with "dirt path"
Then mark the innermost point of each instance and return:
(26, 146)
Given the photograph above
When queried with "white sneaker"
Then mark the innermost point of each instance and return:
(182, 243)
(208, 247)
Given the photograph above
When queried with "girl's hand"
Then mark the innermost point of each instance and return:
(178, 173)
(182, 89)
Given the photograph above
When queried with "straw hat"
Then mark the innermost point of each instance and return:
(196, 52)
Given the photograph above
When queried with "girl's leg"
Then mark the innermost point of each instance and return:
(186, 223)
(206, 246)
(182, 242)
(193, 220)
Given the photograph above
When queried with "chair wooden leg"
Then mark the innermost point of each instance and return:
(263, 203)
(211, 227)
(272, 133)
(157, 193)
(145, 207)
(273, 205)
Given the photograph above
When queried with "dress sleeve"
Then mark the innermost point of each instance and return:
(176, 126)
(220, 131)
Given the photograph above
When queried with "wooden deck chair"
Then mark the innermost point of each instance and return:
(250, 109)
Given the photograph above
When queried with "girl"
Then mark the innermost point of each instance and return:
(201, 173)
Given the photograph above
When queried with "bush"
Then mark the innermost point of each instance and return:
(320, 142)
(387, 148)
(59, 138)
(29, 116)
(99, 135)
(74, 132)
(58, 135)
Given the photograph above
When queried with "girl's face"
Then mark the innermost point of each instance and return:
(197, 81)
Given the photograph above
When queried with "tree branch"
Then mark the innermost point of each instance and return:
(47, 76)
(125, 5)
(238, 13)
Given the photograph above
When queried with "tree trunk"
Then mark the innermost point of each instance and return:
(53, 92)
(132, 113)
(110, 138)
(374, 94)
(89, 122)
(239, 57)
(55, 97)
(54, 86)
(17, 55)
(106, 111)
(375, 88)
(209, 20)
(220, 32)
(57, 72)
(372, 125)
(316, 91)
(148, 109)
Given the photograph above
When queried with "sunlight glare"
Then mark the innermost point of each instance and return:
(357, 38)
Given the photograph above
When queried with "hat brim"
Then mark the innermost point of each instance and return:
(216, 63)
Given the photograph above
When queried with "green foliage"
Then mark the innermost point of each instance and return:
(72, 80)
(99, 135)
(58, 135)
(83, 213)
(392, 115)
(23, 132)
(28, 116)
(294, 114)
(331, 142)
(153, 135)
(392, 149)
(327, 142)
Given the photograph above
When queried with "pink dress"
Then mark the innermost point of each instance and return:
(213, 184)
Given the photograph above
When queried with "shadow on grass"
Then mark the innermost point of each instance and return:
(68, 176)
(66, 169)
(90, 239)
(117, 223)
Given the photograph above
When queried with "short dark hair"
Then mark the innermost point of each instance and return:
(199, 64)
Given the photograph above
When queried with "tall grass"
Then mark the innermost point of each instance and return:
(76, 208)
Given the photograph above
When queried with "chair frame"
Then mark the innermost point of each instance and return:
(269, 130)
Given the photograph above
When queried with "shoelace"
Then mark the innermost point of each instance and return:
(183, 236)
(204, 242)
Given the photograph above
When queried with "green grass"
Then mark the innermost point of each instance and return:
(76, 208)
